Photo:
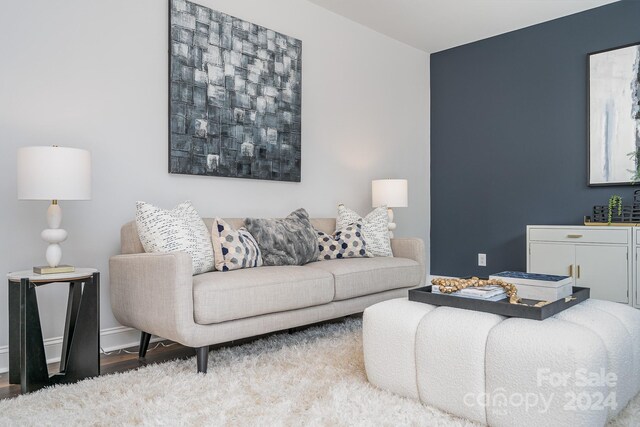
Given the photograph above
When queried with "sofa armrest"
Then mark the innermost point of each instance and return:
(412, 248)
(153, 292)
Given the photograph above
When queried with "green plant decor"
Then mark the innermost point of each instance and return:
(615, 201)
(635, 174)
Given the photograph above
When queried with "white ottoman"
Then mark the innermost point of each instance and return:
(580, 367)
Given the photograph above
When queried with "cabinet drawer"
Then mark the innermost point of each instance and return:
(579, 235)
(637, 236)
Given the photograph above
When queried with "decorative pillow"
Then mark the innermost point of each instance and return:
(178, 230)
(287, 241)
(375, 227)
(234, 249)
(345, 243)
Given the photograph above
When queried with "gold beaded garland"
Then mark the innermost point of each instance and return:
(450, 285)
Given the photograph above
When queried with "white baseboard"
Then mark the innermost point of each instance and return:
(110, 339)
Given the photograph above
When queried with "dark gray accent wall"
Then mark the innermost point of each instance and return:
(509, 137)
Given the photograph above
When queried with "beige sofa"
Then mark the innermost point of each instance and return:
(157, 294)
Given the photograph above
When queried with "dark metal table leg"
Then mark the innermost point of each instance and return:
(83, 355)
(33, 362)
(73, 305)
(14, 333)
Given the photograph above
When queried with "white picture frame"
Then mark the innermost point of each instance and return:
(614, 115)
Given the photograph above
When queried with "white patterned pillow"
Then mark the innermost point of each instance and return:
(178, 230)
(234, 249)
(347, 242)
(375, 227)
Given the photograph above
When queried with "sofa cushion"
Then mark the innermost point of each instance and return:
(355, 277)
(222, 296)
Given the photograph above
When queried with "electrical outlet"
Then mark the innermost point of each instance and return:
(482, 260)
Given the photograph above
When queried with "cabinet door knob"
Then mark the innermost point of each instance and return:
(578, 272)
(571, 270)
(574, 236)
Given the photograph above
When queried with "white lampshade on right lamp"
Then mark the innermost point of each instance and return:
(392, 193)
(54, 173)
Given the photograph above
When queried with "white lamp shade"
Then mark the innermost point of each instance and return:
(54, 173)
(392, 193)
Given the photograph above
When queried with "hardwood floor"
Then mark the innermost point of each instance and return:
(122, 362)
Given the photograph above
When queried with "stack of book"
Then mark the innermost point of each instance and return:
(485, 293)
(542, 287)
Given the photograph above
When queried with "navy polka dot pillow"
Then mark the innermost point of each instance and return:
(345, 243)
(234, 249)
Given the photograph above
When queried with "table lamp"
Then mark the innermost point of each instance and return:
(392, 193)
(54, 173)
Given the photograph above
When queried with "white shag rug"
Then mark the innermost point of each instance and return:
(315, 377)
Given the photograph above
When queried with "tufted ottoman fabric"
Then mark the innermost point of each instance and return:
(580, 367)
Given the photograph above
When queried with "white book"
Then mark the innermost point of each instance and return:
(483, 291)
(487, 293)
(493, 298)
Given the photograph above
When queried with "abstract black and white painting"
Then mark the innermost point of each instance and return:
(614, 116)
(235, 97)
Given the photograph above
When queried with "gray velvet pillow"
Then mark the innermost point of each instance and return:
(287, 241)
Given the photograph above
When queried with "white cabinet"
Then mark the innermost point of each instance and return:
(551, 258)
(597, 258)
(604, 269)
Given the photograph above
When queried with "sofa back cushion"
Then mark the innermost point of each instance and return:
(130, 241)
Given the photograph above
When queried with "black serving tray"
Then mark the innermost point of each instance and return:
(501, 307)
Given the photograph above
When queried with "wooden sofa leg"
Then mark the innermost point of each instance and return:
(202, 356)
(144, 344)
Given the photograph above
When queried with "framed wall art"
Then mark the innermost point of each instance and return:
(614, 116)
(235, 97)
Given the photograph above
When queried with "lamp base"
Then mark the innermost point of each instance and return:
(392, 225)
(45, 269)
(54, 235)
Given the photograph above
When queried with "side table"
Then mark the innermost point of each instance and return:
(80, 356)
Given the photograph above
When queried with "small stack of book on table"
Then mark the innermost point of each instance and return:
(533, 286)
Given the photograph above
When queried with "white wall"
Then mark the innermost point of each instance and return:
(93, 74)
